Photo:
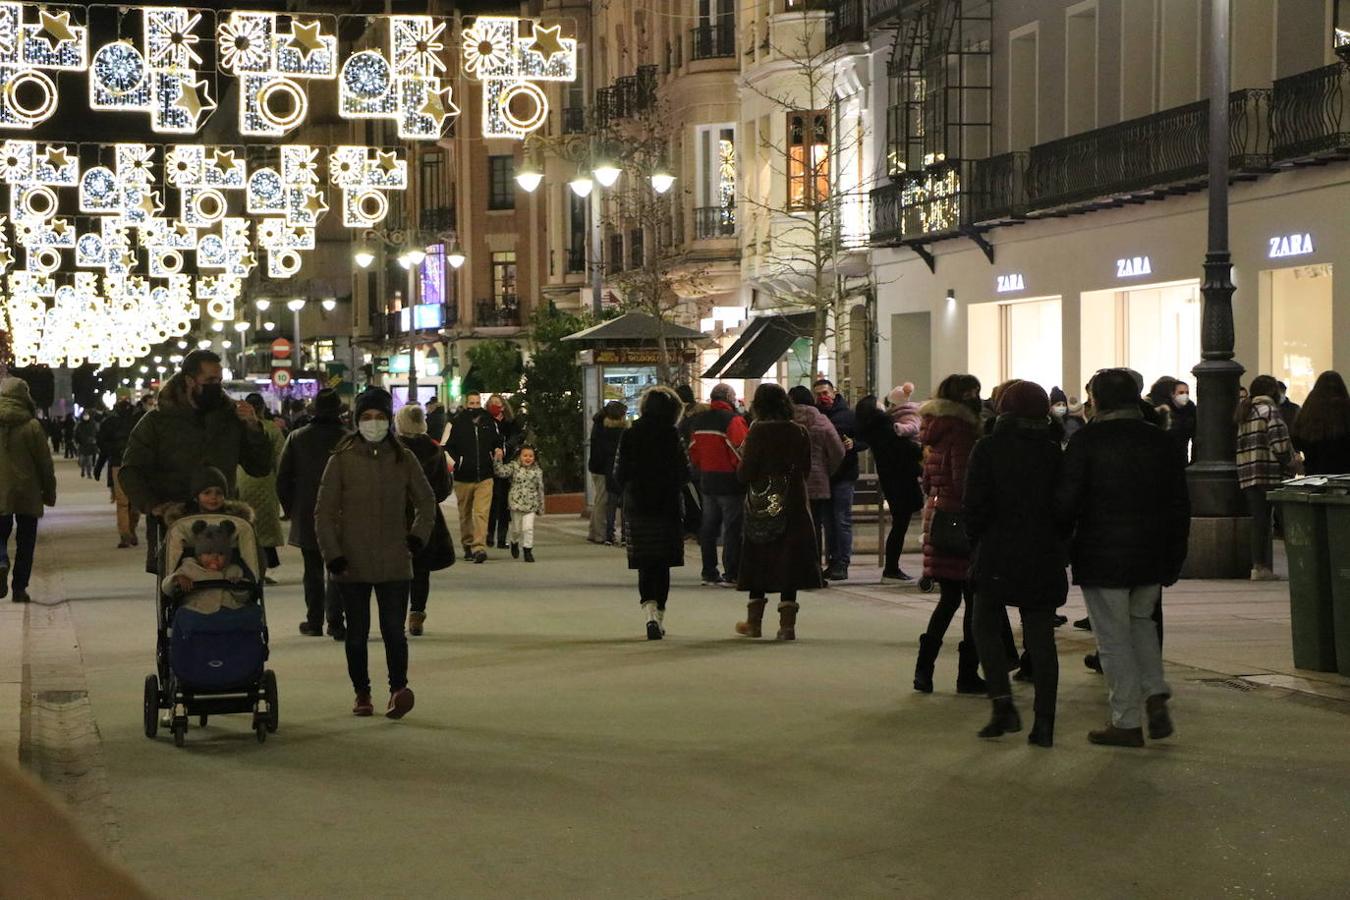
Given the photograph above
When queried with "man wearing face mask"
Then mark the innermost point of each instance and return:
(473, 438)
(194, 424)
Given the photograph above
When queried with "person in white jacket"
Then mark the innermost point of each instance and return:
(525, 499)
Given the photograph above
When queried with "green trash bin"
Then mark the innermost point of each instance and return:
(1305, 543)
(1335, 505)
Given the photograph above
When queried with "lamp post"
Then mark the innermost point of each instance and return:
(411, 259)
(1216, 502)
(295, 305)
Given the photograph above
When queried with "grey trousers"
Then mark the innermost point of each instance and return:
(1127, 640)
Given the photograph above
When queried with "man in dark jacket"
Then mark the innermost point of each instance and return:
(473, 438)
(606, 429)
(113, 435)
(436, 420)
(715, 438)
(195, 424)
(303, 460)
(838, 525)
(1123, 492)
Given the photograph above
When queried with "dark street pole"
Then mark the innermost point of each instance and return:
(1213, 476)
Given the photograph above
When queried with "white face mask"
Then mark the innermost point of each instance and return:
(373, 430)
(1059, 409)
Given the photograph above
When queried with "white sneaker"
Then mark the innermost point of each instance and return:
(1261, 573)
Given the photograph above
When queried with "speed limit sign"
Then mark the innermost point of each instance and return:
(281, 377)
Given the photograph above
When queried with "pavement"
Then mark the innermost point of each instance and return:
(554, 752)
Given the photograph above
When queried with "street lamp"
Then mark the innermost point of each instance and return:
(455, 256)
(529, 178)
(328, 303)
(411, 258)
(217, 326)
(662, 181)
(262, 303)
(364, 256)
(581, 185)
(295, 305)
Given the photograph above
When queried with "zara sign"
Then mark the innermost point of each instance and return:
(1133, 266)
(1013, 281)
(1290, 245)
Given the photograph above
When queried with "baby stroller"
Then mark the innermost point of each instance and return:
(213, 662)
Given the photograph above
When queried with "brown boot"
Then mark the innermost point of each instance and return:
(754, 619)
(1111, 736)
(363, 705)
(415, 623)
(787, 621)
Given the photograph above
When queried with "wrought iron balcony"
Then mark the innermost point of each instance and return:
(1310, 113)
(848, 23)
(712, 42)
(881, 10)
(1163, 149)
(437, 219)
(923, 205)
(713, 222)
(574, 120)
(502, 312)
(998, 187)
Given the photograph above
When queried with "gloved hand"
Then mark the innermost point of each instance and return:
(415, 544)
(338, 566)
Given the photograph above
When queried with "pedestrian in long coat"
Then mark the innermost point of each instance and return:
(776, 557)
(652, 470)
(27, 482)
(827, 452)
(899, 462)
(1019, 553)
(260, 491)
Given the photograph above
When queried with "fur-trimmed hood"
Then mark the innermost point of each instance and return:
(176, 511)
(940, 407)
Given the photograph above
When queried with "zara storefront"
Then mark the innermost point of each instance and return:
(1067, 296)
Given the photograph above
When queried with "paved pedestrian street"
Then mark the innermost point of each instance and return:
(554, 752)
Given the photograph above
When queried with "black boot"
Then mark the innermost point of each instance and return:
(1043, 732)
(1005, 719)
(923, 669)
(968, 680)
(1024, 672)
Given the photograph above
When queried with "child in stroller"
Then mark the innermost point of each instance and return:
(212, 561)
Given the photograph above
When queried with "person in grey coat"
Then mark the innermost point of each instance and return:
(375, 511)
(302, 463)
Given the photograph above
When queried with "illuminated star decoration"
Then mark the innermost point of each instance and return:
(28, 51)
(316, 204)
(56, 157)
(511, 68)
(158, 77)
(271, 66)
(365, 175)
(396, 83)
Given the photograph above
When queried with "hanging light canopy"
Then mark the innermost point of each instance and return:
(530, 176)
(328, 303)
(262, 303)
(456, 257)
(364, 255)
(582, 185)
(606, 173)
(662, 181)
(296, 304)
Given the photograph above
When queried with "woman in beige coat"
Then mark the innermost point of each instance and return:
(371, 488)
(27, 482)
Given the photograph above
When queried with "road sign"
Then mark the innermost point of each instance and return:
(281, 378)
(281, 348)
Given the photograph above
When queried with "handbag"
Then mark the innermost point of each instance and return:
(766, 510)
(439, 553)
(947, 533)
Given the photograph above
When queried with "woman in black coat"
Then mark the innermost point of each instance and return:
(1018, 554)
(899, 464)
(778, 540)
(652, 469)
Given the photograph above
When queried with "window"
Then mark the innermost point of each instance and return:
(616, 253)
(1023, 86)
(501, 182)
(1080, 67)
(808, 140)
(635, 249)
(576, 232)
(504, 278)
(717, 166)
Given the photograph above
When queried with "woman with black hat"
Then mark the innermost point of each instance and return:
(361, 516)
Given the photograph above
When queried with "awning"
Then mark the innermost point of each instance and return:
(762, 343)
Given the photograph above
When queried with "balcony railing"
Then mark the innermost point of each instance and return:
(437, 219)
(712, 42)
(881, 10)
(998, 187)
(503, 312)
(574, 120)
(921, 205)
(1166, 148)
(713, 222)
(1310, 112)
(847, 23)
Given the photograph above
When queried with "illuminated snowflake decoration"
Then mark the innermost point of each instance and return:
(365, 175)
(407, 90)
(28, 51)
(158, 78)
(510, 64)
(269, 63)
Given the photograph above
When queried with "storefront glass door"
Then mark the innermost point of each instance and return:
(1153, 329)
(1021, 339)
(1296, 329)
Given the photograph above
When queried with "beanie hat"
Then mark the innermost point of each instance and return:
(411, 420)
(376, 399)
(1058, 396)
(327, 403)
(1024, 400)
(208, 477)
(615, 409)
(218, 538)
(900, 393)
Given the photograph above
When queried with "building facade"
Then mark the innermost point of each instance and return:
(1053, 221)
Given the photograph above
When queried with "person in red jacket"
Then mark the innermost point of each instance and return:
(715, 436)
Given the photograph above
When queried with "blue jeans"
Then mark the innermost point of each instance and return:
(839, 523)
(23, 549)
(1127, 641)
(722, 515)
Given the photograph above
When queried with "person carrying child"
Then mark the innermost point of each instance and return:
(525, 499)
(904, 412)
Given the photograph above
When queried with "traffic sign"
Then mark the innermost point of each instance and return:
(281, 348)
(281, 378)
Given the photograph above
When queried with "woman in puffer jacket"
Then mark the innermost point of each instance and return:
(361, 517)
(827, 452)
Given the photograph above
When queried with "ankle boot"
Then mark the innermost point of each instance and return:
(661, 620)
(1043, 732)
(968, 680)
(754, 619)
(653, 626)
(923, 669)
(1005, 719)
(787, 621)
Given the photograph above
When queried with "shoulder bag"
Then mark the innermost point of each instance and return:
(766, 503)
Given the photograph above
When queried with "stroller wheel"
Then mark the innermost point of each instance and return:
(260, 728)
(180, 727)
(151, 706)
(269, 683)
(927, 585)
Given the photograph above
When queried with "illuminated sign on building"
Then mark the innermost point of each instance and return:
(1290, 245)
(1013, 281)
(1133, 266)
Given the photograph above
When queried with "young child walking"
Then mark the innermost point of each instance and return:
(526, 497)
